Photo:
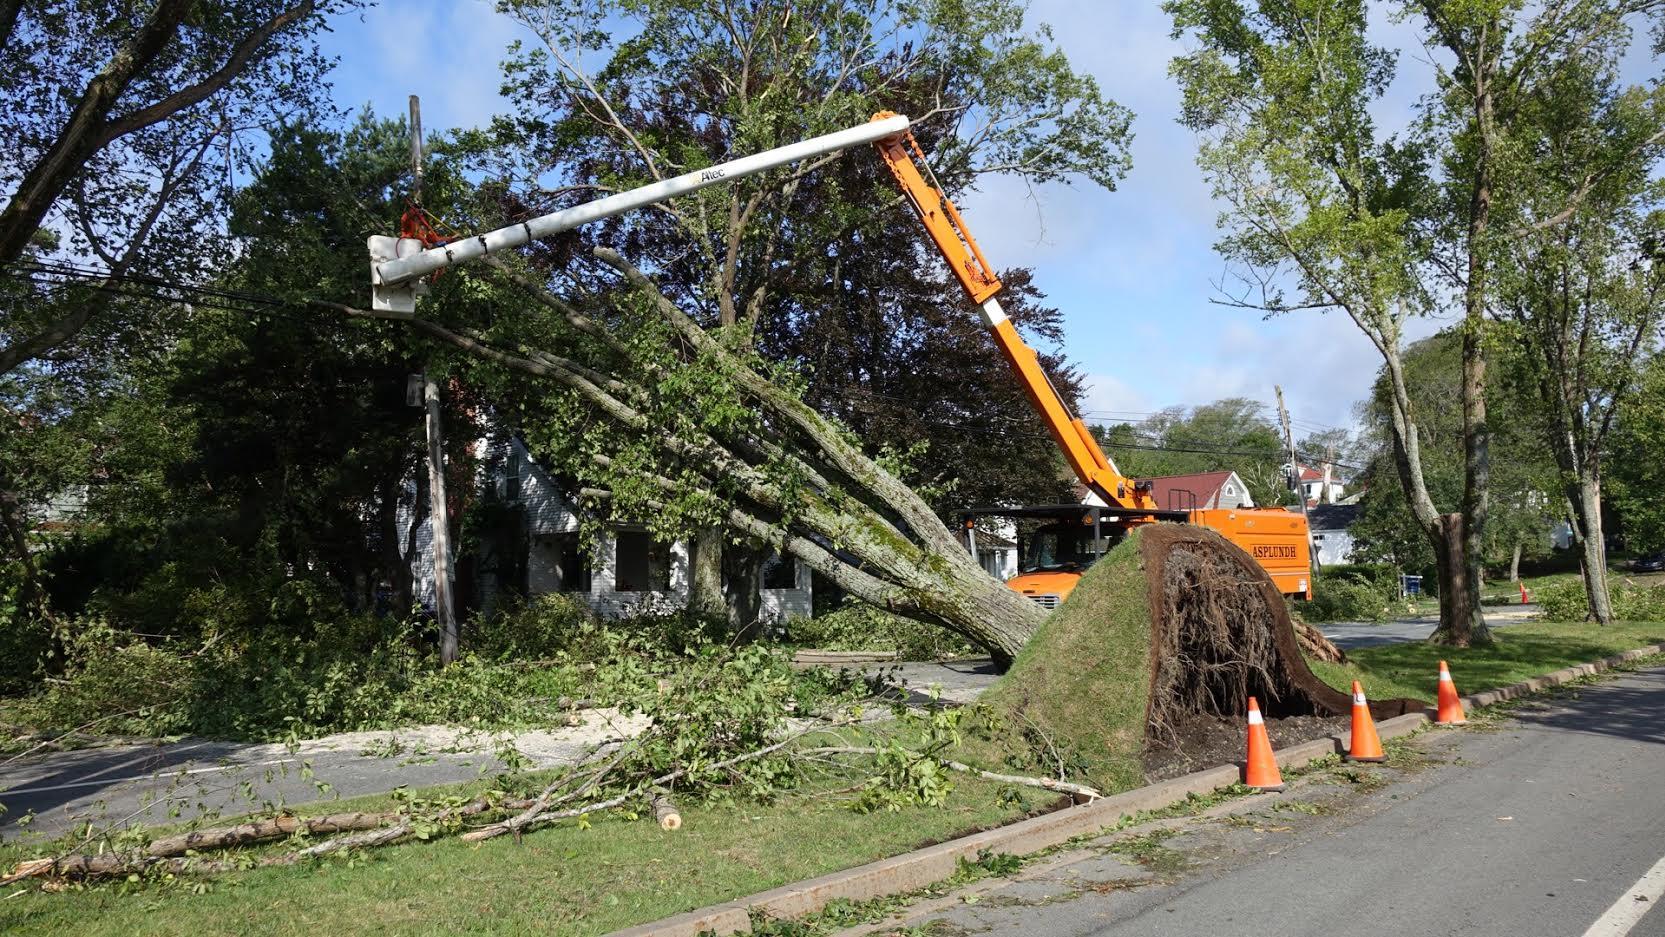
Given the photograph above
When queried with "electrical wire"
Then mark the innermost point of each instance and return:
(144, 286)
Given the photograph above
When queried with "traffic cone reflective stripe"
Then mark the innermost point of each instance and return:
(1261, 772)
(1450, 707)
(1365, 744)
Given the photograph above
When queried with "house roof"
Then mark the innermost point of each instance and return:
(1177, 491)
(1332, 516)
(1308, 474)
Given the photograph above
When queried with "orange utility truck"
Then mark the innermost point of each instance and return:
(1071, 536)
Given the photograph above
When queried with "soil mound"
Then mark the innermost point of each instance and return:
(1175, 625)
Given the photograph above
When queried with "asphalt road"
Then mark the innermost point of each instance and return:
(1547, 825)
(154, 783)
(1349, 635)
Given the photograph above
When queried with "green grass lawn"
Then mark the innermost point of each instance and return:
(1521, 652)
(617, 872)
(561, 880)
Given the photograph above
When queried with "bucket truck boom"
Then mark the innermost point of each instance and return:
(1276, 539)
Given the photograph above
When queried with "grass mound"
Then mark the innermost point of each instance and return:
(1079, 692)
(1174, 624)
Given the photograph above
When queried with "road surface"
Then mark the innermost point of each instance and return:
(1552, 823)
(159, 782)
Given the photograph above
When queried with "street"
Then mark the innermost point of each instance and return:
(164, 782)
(1549, 823)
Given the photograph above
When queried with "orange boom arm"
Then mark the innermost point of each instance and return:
(942, 221)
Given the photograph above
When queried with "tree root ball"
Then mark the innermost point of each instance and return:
(1176, 623)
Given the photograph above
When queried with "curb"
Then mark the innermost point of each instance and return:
(1564, 675)
(912, 871)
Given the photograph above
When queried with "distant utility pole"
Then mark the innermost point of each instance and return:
(438, 518)
(1295, 476)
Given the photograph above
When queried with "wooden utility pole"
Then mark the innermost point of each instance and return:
(1295, 475)
(438, 515)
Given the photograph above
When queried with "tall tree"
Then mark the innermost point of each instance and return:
(1524, 489)
(1583, 286)
(120, 122)
(1281, 94)
(685, 424)
(1380, 227)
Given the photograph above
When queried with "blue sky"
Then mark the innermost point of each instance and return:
(1133, 271)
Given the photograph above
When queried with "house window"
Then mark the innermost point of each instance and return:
(573, 565)
(780, 572)
(644, 564)
(514, 468)
(1231, 489)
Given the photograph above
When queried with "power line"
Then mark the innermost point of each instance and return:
(144, 286)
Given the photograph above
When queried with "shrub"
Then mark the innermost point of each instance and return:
(1563, 601)
(1344, 601)
(1632, 602)
(540, 629)
(1382, 577)
(857, 626)
(1566, 601)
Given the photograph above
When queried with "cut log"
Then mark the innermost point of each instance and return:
(259, 831)
(665, 812)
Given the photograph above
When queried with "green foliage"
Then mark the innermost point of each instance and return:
(1635, 471)
(858, 626)
(1352, 592)
(118, 684)
(547, 625)
(719, 704)
(1563, 601)
(1344, 600)
(1632, 601)
(908, 769)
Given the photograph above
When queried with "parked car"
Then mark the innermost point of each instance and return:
(1652, 563)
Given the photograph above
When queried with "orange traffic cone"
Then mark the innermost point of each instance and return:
(1261, 773)
(1365, 745)
(1451, 708)
(1524, 597)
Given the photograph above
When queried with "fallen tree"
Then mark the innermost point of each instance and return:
(682, 429)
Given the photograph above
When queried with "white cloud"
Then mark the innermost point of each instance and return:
(1110, 399)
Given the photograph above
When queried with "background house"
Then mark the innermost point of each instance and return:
(529, 544)
(1201, 491)
(1331, 537)
(1321, 485)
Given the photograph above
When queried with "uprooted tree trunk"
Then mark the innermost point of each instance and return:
(794, 480)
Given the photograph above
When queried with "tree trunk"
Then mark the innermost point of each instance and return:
(1514, 564)
(742, 566)
(1587, 521)
(705, 573)
(1461, 623)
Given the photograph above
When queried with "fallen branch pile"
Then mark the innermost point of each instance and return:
(575, 793)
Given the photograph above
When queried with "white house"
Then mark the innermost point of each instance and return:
(1331, 536)
(1321, 485)
(535, 548)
